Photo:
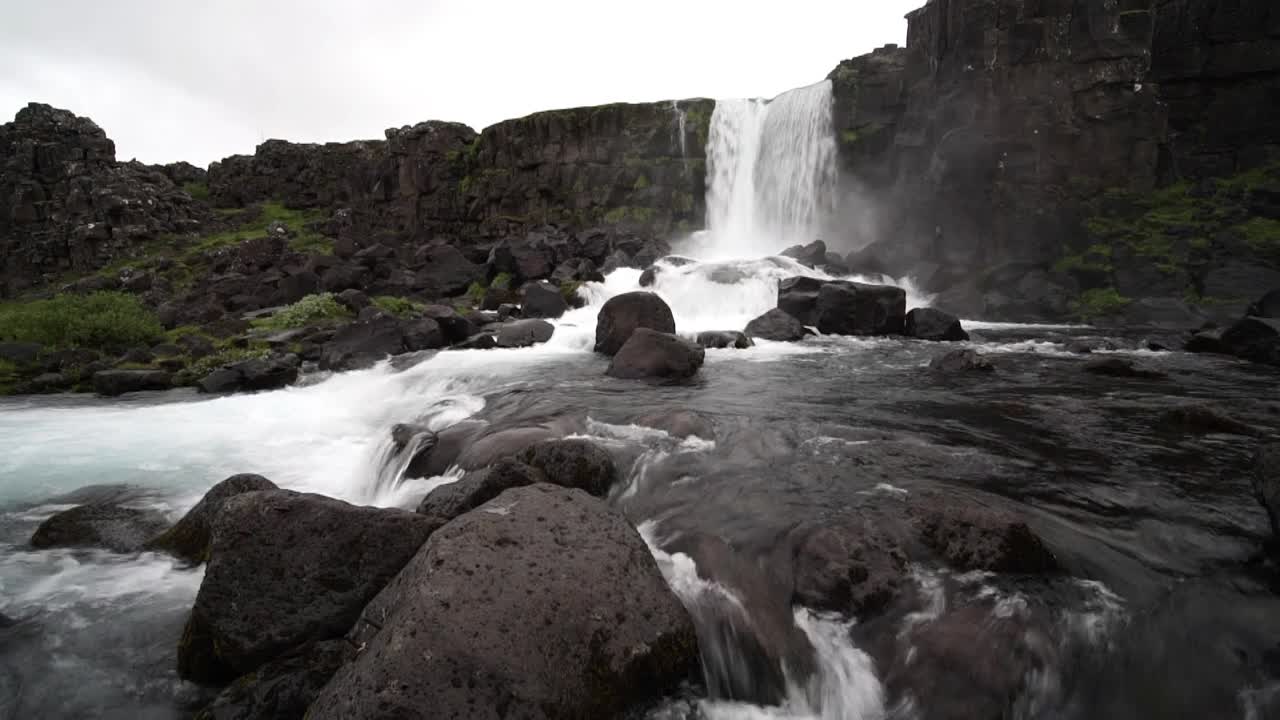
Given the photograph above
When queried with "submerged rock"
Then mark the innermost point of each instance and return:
(543, 599)
(1120, 367)
(724, 339)
(523, 333)
(283, 688)
(852, 566)
(1266, 482)
(286, 569)
(776, 325)
(678, 423)
(961, 361)
(651, 354)
(113, 383)
(115, 528)
(931, 324)
(189, 538)
(573, 463)
(973, 537)
(622, 314)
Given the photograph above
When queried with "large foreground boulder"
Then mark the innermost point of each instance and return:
(285, 569)
(849, 308)
(116, 528)
(284, 688)
(189, 538)
(523, 333)
(543, 603)
(622, 314)
(1266, 482)
(113, 383)
(776, 325)
(931, 324)
(651, 354)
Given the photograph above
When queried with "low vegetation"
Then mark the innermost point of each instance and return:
(398, 306)
(310, 310)
(106, 321)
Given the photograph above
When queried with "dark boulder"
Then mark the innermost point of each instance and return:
(973, 537)
(113, 383)
(1120, 367)
(961, 361)
(116, 528)
(476, 488)
(250, 375)
(542, 600)
(448, 446)
(523, 333)
(455, 327)
(421, 334)
(649, 276)
(1267, 306)
(1200, 420)
(285, 569)
(573, 463)
(813, 255)
(189, 538)
(1255, 339)
(1266, 482)
(363, 343)
(776, 325)
(798, 297)
(543, 300)
(622, 314)
(446, 272)
(852, 566)
(1207, 341)
(931, 324)
(849, 308)
(577, 270)
(617, 259)
(480, 341)
(353, 300)
(719, 339)
(652, 354)
(284, 688)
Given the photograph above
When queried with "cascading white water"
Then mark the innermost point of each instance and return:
(771, 173)
(681, 120)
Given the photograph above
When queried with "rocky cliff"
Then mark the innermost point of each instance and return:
(1073, 159)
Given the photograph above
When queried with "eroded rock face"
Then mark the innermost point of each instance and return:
(285, 569)
(283, 688)
(622, 314)
(494, 614)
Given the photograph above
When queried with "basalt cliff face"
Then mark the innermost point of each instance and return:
(1041, 158)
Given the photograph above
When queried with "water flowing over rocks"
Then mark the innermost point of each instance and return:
(932, 324)
(113, 383)
(190, 537)
(955, 361)
(721, 339)
(592, 630)
(114, 527)
(523, 333)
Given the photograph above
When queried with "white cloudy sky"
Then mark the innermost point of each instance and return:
(170, 79)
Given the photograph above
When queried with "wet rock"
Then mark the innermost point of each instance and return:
(455, 327)
(798, 297)
(1207, 341)
(849, 308)
(652, 354)
(617, 259)
(488, 447)
(363, 343)
(956, 361)
(1266, 482)
(724, 339)
(353, 300)
(848, 567)
(973, 537)
(649, 276)
(543, 300)
(476, 488)
(573, 463)
(776, 325)
(481, 341)
(1201, 420)
(189, 538)
(116, 528)
(543, 599)
(285, 569)
(931, 324)
(250, 375)
(1255, 339)
(523, 333)
(113, 383)
(1120, 367)
(450, 443)
(578, 270)
(496, 297)
(813, 255)
(622, 314)
(20, 353)
(1268, 306)
(283, 688)
(678, 424)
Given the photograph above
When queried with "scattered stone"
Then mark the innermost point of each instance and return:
(189, 538)
(543, 300)
(931, 324)
(1266, 482)
(113, 383)
(1120, 367)
(850, 567)
(476, 488)
(573, 463)
(776, 325)
(724, 339)
(961, 361)
(455, 327)
(286, 569)
(652, 354)
(523, 333)
(542, 599)
(622, 314)
(354, 300)
(250, 376)
(116, 528)
(972, 537)
(1201, 420)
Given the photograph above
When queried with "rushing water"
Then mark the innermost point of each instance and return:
(1165, 610)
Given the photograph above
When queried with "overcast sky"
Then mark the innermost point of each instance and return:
(174, 80)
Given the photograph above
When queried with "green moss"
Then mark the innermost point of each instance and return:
(641, 183)
(569, 289)
(1099, 302)
(475, 293)
(619, 215)
(225, 356)
(310, 310)
(398, 306)
(101, 321)
(303, 238)
(10, 377)
(197, 190)
(502, 281)
(1263, 236)
(464, 185)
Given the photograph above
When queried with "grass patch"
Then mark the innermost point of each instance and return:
(109, 321)
(1099, 302)
(226, 356)
(398, 306)
(197, 190)
(475, 293)
(302, 239)
(569, 289)
(310, 310)
(501, 281)
(1263, 236)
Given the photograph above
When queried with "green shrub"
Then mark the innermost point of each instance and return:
(569, 289)
(197, 190)
(225, 356)
(307, 311)
(398, 306)
(502, 281)
(1099, 302)
(107, 321)
(475, 293)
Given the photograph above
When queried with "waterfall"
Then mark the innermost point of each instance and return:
(681, 119)
(771, 174)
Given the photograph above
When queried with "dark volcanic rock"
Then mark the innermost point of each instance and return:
(813, 255)
(573, 463)
(1207, 341)
(622, 314)
(477, 488)
(479, 341)
(973, 537)
(365, 342)
(189, 538)
(116, 528)
(250, 375)
(455, 327)
(543, 300)
(1266, 482)
(1267, 306)
(286, 569)
(543, 599)
(652, 354)
(113, 383)
(798, 297)
(1120, 367)
(447, 272)
(850, 567)
(960, 361)
(1254, 338)
(848, 308)
(284, 688)
(931, 324)
(724, 339)
(776, 325)
(523, 333)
